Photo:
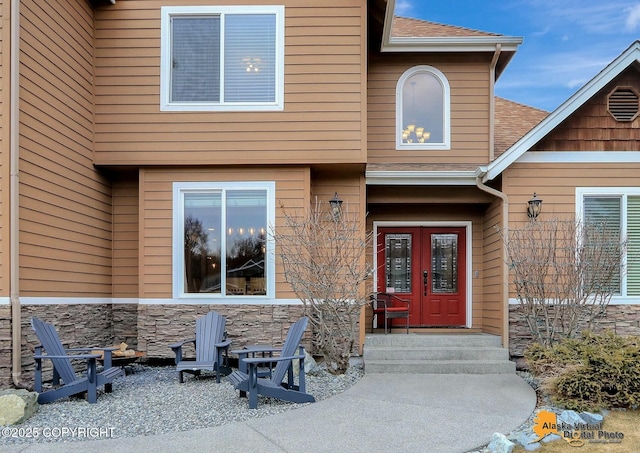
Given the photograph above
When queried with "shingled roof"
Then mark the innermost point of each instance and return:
(512, 122)
(404, 27)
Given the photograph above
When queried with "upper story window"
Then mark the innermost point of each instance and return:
(222, 58)
(617, 210)
(221, 239)
(422, 109)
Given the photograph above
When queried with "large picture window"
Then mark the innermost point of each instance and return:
(422, 109)
(222, 244)
(222, 58)
(617, 210)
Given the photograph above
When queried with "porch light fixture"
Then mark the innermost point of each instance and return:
(336, 206)
(534, 206)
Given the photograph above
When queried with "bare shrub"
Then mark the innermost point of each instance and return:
(323, 259)
(564, 274)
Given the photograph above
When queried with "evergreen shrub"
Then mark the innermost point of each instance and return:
(592, 372)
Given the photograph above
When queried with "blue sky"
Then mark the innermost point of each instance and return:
(566, 42)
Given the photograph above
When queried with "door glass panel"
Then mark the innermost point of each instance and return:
(444, 263)
(398, 262)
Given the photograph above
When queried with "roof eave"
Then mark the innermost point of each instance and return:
(420, 178)
(452, 44)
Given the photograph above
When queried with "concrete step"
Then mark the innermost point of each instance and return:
(436, 353)
(408, 340)
(440, 366)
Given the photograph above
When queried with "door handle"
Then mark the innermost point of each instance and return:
(425, 277)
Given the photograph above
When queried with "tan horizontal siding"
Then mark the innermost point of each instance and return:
(125, 238)
(324, 80)
(492, 271)
(5, 127)
(469, 102)
(65, 215)
(292, 191)
(555, 184)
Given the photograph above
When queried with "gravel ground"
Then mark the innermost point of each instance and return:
(150, 401)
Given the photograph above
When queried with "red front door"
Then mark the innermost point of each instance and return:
(427, 266)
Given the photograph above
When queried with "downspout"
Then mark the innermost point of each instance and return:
(505, 270)
(14, 208)
(492, 102)
(505, 200)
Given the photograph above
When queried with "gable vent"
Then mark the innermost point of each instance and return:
(624, 104)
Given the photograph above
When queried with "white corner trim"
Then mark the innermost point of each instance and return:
(580, 157)
(221, 301)
(615, 300)
(142, 301)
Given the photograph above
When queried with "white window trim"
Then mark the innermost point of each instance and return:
(446, 125)
(621, 192)
(165, 57)
(179, 188)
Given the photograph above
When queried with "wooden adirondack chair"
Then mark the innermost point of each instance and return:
(251, 378)
(210, 348)
(72, 384)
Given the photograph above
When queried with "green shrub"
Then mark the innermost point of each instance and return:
(593, 372)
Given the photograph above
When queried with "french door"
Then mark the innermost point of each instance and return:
(427, 266)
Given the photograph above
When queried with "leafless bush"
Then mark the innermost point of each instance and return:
(324, 262)
(564, 273)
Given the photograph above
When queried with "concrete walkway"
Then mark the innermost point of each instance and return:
(381, 412)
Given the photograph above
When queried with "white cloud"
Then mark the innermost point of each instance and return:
(597, 17)
(403, 8)
(633, 19)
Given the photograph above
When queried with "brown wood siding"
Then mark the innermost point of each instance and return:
(492, 271)
(65, 205)
(292, 191)
(125, 238)
(322, 121)
(469, 84)
(592, 128)
(5, 152)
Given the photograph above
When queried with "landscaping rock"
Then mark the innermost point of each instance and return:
(500, 444)
(309, 364)
(591, 419)
(570, 418)
(17, 405)
(550, 438)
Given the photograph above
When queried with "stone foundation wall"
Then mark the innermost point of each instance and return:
(621, 319)
(146, 328)
(125, 324)
(77, 325)
(5, 346)
(161, 325)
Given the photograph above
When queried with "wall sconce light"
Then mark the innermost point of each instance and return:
(534, 206)
(336, 206)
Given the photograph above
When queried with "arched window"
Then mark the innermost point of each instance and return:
(422, 109)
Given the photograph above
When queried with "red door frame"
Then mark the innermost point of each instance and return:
(428, 310)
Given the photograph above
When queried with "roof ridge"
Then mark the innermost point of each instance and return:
(521, 104)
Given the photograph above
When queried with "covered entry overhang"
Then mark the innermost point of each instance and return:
(450, 214)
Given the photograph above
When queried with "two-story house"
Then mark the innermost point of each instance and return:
(147, 148)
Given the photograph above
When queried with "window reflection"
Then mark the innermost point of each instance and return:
(239, 235)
